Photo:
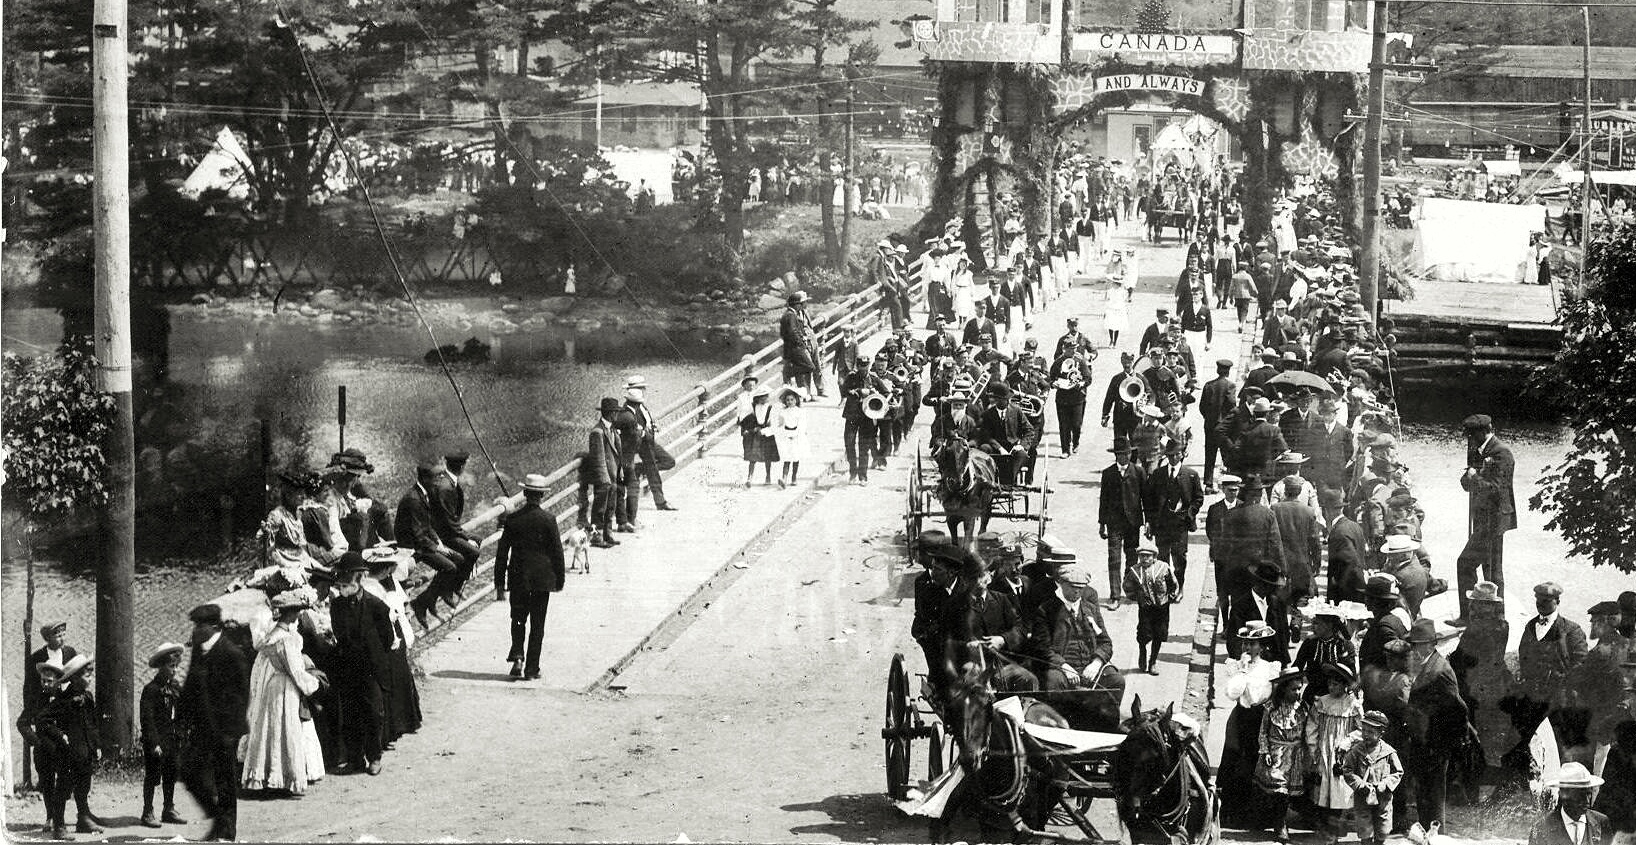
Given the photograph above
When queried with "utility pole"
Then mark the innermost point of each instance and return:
(1587, 190)
(851, 71)
(1369, 284)
(111, 256)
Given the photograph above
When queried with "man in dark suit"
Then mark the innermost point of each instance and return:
(978, 617)
(363, 638)
(1216, 404)
(1171, 500)
(1489, 467)
(448, 501)
(1069, 646)
(1258, 450)
(212, 710)
(1115, 410)
(1299, 534)
(528, 561)
(1551, 649)
(1249, 538)
(1347, 557)
(645, 430)
(1259, 376)
(1119, 514)
(1260, 601)
(1296, 423)
(980, 326)
(1436, 719)
(416, 530)
(1005, 433)
(1156, 331)
(942, 343)
(603, 471)
(1162, 387)
(1215, 523)
(934, 592)
(1391, 621)
(1330, 450)
(998, 308)
(1071, 377)
(1571, 821)
(860, 433)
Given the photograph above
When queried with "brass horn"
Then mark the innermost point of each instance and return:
(875, 406)
(1029, 404)
(1133, 390)
(901, 374)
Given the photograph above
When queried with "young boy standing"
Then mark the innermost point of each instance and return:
(159, 735)
(1373, 770)
(1151, 583)
(67, 726)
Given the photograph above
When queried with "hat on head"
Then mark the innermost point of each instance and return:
(351, 562)
(999, 391)
(1423, 631)
(1485, 591)
(1074, 575)
(1401, 500)
(1549, 589)
(900, 249)
(1377, 720)
(1292, 458)
(1478, 422)
(289, 599)
(1175, 447)
(1289, 673)
(50, 628)
(1256, 629)
(1381, 585)
(1228, 479)
(796, 298)
(1147, 546)
(1120, 444)
(1182, 720)
(1399, 544)
(457, 456)
(1573, 775)
(352, 459)
(163, 653)
(1224, 363)
(534, 482)
(206, 614)
(1073, 321)
(608, 405)
(1604, 608)
(73, 667)
(1269, 573)
(1261, 406)
(1340, 672)
(1397, 647)
(933, 538)
(1270, 356)
(1382, 441)
(1152, 411)
(748, 380)
(635, 382)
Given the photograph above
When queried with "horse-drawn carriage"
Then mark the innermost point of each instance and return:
(961, 486)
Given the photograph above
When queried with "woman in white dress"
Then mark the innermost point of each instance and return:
(790, 430)
(1122, 285)
(1248, 687)
(281, 752)
(960, 286)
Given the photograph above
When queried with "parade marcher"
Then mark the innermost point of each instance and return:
(1122, 415)
(448, 500)
(1071, 379)
(1437, 722)
(998, 308)
(1070, 645)
(800, 346)
(1215, 405)
(790, 432)
(1493, 508)
(980, 326)
(1261, 601)
(161, 734)
(528, 563)
(1156, 331)
(363, 642)
(1283, 763)
(1299, 532)
(860, 435)
(1120, 514)
(1152, 584)
(1248, 686)
(1334, 715)
(1348, 551)
(603, 471)
(415, 530)
(1171, 499)
(1148, 438)
(1372, 769)
(212, 712)
(66, 728)
(281, 752)
(1571, 821)
(1121, 273)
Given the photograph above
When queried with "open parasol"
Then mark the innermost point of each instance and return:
(1301, 378)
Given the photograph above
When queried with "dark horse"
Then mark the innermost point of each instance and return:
(965, 486)
(1161, 775)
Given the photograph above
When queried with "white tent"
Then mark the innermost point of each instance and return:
(1466, 241)
(1600, 177)
(1503, 167)
(223, 168)
(1173, 140)
(637, 166)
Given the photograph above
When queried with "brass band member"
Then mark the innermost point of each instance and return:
(859, 432)
(1070, 376)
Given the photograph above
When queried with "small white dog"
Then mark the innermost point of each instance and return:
(576, 547)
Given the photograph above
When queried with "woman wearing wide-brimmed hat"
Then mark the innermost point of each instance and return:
(281, 752)
(1248, 685)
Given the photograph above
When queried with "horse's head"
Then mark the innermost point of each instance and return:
(950, 455)
(972, 696)
(1145, 755)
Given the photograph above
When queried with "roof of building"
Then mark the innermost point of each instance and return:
(1545, 61)
(667, 94)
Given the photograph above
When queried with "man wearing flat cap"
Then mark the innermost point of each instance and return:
(55, 652)
(1070, 647)
(1216, 405)
(1552, 648)
(1597, 686)
(213, 712)
(861, 437)
(417, 529)
(448, 501)
(1493, 508)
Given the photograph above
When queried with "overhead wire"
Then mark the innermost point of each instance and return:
(391, 254)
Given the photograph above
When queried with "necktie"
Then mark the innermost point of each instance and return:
(1573, 832)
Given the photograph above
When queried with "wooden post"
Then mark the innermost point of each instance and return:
(111, 259)
(1589, 188)
(341, 416)
(703, 414)
(1369, 280)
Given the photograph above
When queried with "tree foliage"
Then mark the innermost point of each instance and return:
(1153, 16)
(1589, 495)
(54, 422)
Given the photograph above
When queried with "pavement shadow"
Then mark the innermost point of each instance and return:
(859, 818)
(464, 675)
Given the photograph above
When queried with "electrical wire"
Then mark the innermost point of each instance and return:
(391, 255)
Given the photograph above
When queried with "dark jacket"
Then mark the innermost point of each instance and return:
(1258, 377)
(1171, 499)
(1380, 631)
(158, 714)
(795, 330)
(216, 695)
(1116, 408)
(1330, 453)
(1249, 535)
(1003, 429)
(529, 555)
(1299, 537)
(414, 523)
(1436, 716)
(448, 500)
(853, 388)
(33, 692)
(1220, 395)
(1215, 522)
(1347, 560)
(637, 438)
(67, 723)
(969, 617)
(1121, 503)
(1052, 626)
(1493, 503)
(602, 463)
(931, 602)
(1550, 830)
(1258, 450)
(363, 637)
(1546, 663)
(1241, 608)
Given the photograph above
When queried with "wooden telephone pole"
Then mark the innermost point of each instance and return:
(1369, 283)
(111, 220)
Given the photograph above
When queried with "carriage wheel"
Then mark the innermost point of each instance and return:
(912, 514)
(1045, 498)
(896, 732)
(937, 756)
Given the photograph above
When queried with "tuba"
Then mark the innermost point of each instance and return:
(1029, 404)
(1133, 390)
(875, 405)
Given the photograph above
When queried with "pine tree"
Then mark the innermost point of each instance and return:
(1154, 16)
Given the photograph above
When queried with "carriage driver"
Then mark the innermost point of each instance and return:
(981, 622)
(1070, 646)
(1005, 433)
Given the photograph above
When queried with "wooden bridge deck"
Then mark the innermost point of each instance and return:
(1476, 303)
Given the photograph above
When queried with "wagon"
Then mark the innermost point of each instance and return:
(1026, 503)
(1160, 219)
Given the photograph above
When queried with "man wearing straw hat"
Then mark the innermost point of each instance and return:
(644, 431)
(1571, 821)
(528, 561)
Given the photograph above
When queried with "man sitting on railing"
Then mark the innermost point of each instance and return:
(448, 500)
(415, 531)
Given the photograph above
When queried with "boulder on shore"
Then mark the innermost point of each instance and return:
(326, 298)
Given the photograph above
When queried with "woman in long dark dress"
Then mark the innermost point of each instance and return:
(400, 697)
(1248, 686)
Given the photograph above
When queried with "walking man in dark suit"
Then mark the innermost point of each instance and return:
(1571, 821)
(448, 501)
(1260, 601)
(417, 530)
(1171, 500)
(1119, 514)
(212, 711)
(1215, 526)
(603, 471)
(1347, 558)
(1331, 455)
(529, 561)
(1551, 649)
(1219, 398)
(1489, 467)
(1436, 719)
(363, 638)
